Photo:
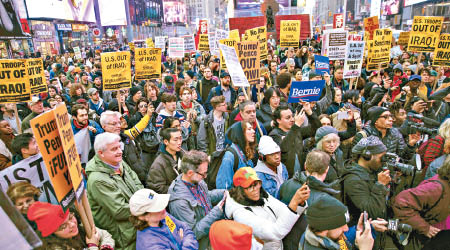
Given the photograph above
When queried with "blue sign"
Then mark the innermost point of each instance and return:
(322, 64)
(307, 91)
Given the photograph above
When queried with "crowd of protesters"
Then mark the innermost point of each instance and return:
(188, 162)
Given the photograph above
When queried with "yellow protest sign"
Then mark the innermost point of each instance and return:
(258, 34)
(228, 42)
(203, 42)
(234, 34)
(116, 70)
(289, 33)
(425, 33)
(131, 45)
(147, 63)
(370, 25)
(69, 148)
(249, 58)
(14, 83)
(36, 75)
(149, 42)
(403, 38)
(380, 47)
(442, 51)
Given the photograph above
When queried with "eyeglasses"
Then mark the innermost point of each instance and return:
(66, 224)
(143, 106)
(255, 184)
(203, 175)
(386, 116)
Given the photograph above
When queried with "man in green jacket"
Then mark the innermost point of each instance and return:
(111, 183)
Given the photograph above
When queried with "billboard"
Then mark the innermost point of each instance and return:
(390, 7)
(10, 26)
(73, 10)
(411, 2)
(112, 12)
(174, 12)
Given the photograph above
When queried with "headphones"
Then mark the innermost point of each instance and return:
(366, 155)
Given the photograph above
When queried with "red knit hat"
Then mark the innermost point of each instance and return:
(48, 217)
(229, 234)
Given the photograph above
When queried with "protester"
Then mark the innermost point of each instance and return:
(7, 114)
(23, 195)
(23, 146)
(228, 234)
(80, 121)
(37, 108)
(224, 89)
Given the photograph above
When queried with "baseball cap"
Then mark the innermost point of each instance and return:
(224, 74)
(244, 177)
(147, 201)
(92, 91)
(34, 100)
(415, 77)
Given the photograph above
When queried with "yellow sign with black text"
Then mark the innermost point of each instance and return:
(14, 82)
(116, 70)
(203, 42)
(379, 48)
(249, 58)
(258, 34)
(424, 34)
(36, 76)
(147, 63)
(290, 33)
(442, 51)
(403, 38)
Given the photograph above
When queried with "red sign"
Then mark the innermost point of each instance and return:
(338, 21)
(25, 26)
(305, 28)
(202, 29)
(246, 23)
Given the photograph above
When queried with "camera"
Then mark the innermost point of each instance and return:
(413, 127)
(390, 161)
(395, 226)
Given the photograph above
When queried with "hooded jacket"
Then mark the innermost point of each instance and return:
(207, 136)
(311, 241)
(265, 115)
(271, 181)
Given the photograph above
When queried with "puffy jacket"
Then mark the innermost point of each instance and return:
(163, 171)
(269, 177)
(159, 238)
(424, 205)
(186, 208)
(132, 156)
(206, 137)
(265, 116)
(434, 166)
(108, 195)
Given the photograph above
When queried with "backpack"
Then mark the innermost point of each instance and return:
(214, 166)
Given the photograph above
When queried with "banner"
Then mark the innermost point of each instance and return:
(176, 47)
(424, 34)
(306, 91)
(338, 21)
(442, 51)
(234, 34)
(147, 63)
(36, 75)
(403, 38)
(354, 59)
(149, 42)
(337, 44)
(116, 70)
(322, 64)
(237, 74)
(258, 34)
(10, 26)
(189, 43)
(229, 43)
(370, 25)
(379, 48)
(160, 42)
(77, 52)
(249, 58)
(290, 33)
(203, 42)
(14, 83)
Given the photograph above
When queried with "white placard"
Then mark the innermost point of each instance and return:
(232, 61)
(176, 47)
(160, 42)
(353, 59)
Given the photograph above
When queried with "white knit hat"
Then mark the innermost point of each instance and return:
(267, 146)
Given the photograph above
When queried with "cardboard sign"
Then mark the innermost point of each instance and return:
(249, 58)
(234, 34)
(176, 47)
(229, 43)
(149, 42)
(337, 44)
(77, 52)
(202, 29)
(160, 42)
(338, 21)
(212, 44)
(219, 35)
(189, 43)
(442, 51)
(370, 25)
(403, 38)
(14, 83)
(290, 33)
(203, 42)
(116, 70)
(147, 63)
(307, 91)
(237, 74)
(322, 64)
(258, 34)
(36, 75)
(353, 59)
(424, 34)
(380, 47)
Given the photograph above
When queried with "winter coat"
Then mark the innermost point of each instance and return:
(224, 179)
(336, 166)
(217, 91)
(269, 177)
(311, 241)
(162, 238)
(204, 87)
(363, 192)
(92, 135)
(100, 107)
(163, 115)
(441, 108)
(132, 156)
(163, 171)
(270, 222)
(185, 207)
(323, 104)
(343, 85)
(434, 166)
(433, 150)
(265, 116)
(109, 195)
(424, 205)
(206, 137)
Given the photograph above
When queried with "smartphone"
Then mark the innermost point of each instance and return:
(365, 218)
(342, 115)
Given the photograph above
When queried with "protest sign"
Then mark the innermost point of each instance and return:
(248, 54)
(160, 42)
(234, 34)
(370, 25)
(234, 67)
(424, 34)
(338, 21)
(83, 142)
(290, 33)
(202, 29)
(337, 44)
(219, 35)
(32, 170)
(36, 75)
(131, 45)
(353, 59)
(203, 42)
(77, 52)
(212, 44)
(189, 43)
(176, 47)
(258, 34)
(230, 43)
(147, 63)
(322, 64)
(379, 48)
(403, 38)
(14, 83)
(442, 51)
(149, 42)
(307, 91)
(49, 141)
(116, 70)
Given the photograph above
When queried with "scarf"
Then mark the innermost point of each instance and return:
(324, 242)
(79, 126)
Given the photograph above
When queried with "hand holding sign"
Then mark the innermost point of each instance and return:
(307, 91)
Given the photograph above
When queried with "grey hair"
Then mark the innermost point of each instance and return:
(328, 137)
(444, 129)
(103, 140)
(191, 160)
(106, 115)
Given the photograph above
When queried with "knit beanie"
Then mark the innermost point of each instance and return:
(323, 131)
(134, 90)
(48, 217)
(375, 112)
(372, 145)
(327, 213)
(229, 234)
